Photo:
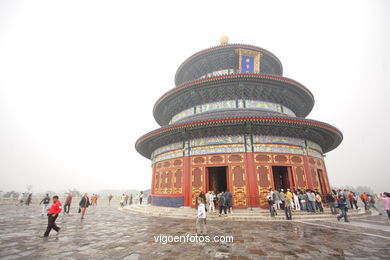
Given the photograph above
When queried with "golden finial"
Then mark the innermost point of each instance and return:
(224, 40)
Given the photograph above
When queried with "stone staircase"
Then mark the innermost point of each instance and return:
(238, 215)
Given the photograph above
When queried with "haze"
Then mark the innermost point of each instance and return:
(78, 81)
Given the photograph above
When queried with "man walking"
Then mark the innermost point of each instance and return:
(54, 210)
(342, 205)
(45, 202)
(68, 201)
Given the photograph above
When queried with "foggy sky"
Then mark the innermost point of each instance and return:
(78, 81)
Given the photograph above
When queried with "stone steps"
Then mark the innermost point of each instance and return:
(238, 215)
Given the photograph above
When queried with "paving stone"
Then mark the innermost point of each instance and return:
(108, 233)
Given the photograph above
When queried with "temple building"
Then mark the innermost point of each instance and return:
(233, 122)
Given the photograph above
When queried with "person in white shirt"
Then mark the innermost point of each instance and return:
(211, 205)
(201, 218)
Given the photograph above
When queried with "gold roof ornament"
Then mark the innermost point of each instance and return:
(224, 40)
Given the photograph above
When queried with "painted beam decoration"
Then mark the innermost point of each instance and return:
(234, 123)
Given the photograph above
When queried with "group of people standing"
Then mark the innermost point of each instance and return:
(125, 199)
(222, 201)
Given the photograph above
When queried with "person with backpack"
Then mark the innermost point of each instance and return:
(45, 203)
(222, 203)
(342, 205)
(84, 203)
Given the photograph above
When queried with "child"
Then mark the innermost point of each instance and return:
(54, 210)
(201, 220)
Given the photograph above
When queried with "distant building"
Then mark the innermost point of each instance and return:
(233, 122)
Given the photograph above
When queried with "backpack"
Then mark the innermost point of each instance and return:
(222, 201)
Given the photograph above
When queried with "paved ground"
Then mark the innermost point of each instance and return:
(108, 233)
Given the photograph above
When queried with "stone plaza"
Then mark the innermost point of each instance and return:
(110, 233)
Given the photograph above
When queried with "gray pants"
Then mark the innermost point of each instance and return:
(201, 226)
(332, 206)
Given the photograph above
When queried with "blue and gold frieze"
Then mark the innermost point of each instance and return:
(230, 139)
(267, 139)
(255, 104)
(274, 148)
(183, 114)
(238, 144)
(314, 153)
(167, 148)
(214, 149)
(232, 104)
(314, 146)
(168, 156)
(220, 105)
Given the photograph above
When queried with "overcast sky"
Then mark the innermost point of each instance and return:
(78, 81)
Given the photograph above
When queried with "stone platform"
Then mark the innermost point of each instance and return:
(255, 214)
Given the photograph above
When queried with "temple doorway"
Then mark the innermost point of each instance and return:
(216, 179)
(321, 179)
(281, 179)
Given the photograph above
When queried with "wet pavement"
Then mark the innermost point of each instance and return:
(107, 233)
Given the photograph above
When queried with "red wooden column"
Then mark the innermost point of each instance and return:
(187, 180)
(290, 178)
(252, 182)
(309, 179)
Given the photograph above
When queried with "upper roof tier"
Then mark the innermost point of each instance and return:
(228, 59)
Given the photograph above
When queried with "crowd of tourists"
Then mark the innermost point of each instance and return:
(339, 201)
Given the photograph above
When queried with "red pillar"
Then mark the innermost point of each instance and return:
(187, 180)
(309, 179)
(252, 182)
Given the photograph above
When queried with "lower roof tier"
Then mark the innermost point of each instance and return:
(269, 88)
(238, 123)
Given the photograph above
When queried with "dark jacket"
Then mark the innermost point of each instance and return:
(84, 203)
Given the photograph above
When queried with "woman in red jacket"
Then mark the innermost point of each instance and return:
(54, 210)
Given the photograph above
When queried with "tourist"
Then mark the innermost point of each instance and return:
(131, 199)
(331, 202)
(371, 203)
(126, 199)
(228, 197)
(29, 198)
(271, 202)
(96, 199)
(350, 199)
(20, 199)
(141, 196)
(54, 210)
(302, 200)
(282, 198)
(149, 199)
(355, 199)
(287, 207)
(45, 203)
(277, 199)
(122, 200)
(222, 204)
(386, 199)
(297, 205)
(342, 205)
(84, 203)
(313, 201)
(363, 197)
(319, 202)
(68, 201)
(211, 200)
(201, 218)
(109, 199)
(308, 201)
(207, 200)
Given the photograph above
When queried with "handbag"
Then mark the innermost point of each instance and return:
(79, 210)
